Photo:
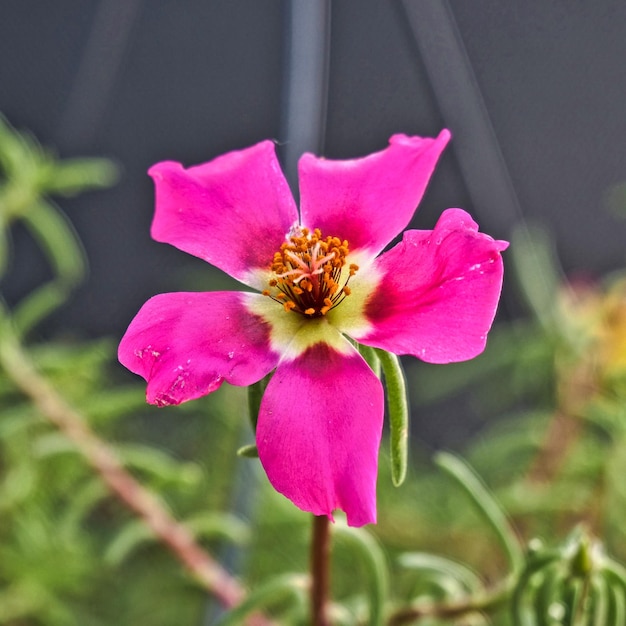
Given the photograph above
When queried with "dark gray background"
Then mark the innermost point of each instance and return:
(140, 81)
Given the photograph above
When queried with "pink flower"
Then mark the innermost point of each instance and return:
(319, 280)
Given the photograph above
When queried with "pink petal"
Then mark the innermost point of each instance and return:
(439, 291)
(368, 201)
(233, 211)
(319, 431)
(186, 344)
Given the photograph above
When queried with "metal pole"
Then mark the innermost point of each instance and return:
(305, 95)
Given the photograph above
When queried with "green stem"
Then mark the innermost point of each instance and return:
(255, 395)
(370, 356)
(320, 571)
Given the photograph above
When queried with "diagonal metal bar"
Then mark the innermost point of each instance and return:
(463, 109)
(99, 68)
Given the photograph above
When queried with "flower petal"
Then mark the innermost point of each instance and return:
(186, 344)
(439, 291)
(233, 212)
(368, 201)
(319, 431)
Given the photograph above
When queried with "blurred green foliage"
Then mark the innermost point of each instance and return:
(552, 455)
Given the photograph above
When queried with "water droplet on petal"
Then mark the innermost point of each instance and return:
(231, 354)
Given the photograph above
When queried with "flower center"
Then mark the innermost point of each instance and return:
(309, 276)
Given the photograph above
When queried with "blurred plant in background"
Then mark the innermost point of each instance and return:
(88, 530)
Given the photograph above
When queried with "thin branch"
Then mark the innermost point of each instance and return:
(104, 460)
(486, 602)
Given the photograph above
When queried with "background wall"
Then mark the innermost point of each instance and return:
(142, 81)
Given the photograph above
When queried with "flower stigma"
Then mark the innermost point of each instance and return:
(309, 274)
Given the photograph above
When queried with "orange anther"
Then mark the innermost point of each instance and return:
(307, 272)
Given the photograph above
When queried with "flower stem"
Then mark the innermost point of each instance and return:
(320, 570)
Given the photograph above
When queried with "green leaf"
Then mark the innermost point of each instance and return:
(73, 176)
(110, 404)
(17, 419)
(288, 587)
(600, 602)
(19, 484)
(367, 549)
(615, 572)
(85, 499)
(546, 598)
(5, 246)
(18, 151)
(616, 607)
(38, 305)
(486, 504)
(398, 408)
(616, 199)
(159, 464)
(425, 562)
(249, 451)
(213, 525)
(537, 270)
(130, 538)
(57, 238)
(218, 525)
(521, 611)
